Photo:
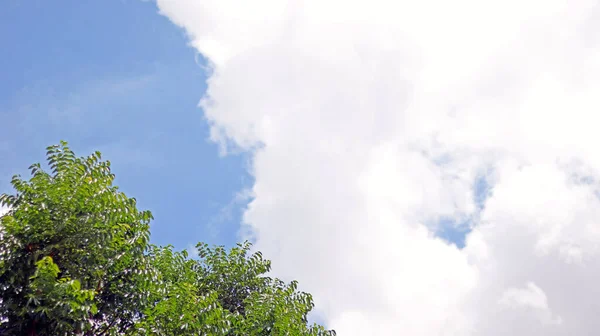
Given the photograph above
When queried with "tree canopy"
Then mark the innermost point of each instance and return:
(76, 259)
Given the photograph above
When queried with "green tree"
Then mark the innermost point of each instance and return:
(75, 259)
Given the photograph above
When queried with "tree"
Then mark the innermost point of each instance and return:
(75, 259)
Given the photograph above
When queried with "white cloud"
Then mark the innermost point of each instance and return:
(3, 210)
(371, 120)
(192, 251)
(531, 297)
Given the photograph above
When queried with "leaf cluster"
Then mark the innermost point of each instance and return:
(75, 259)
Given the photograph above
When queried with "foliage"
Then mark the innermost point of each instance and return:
(75, 259)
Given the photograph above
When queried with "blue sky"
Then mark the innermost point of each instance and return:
(129, 89)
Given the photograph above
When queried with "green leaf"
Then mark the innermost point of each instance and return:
(75, 258)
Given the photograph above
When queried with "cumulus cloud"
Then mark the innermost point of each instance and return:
(373, 123)
(530, 297)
